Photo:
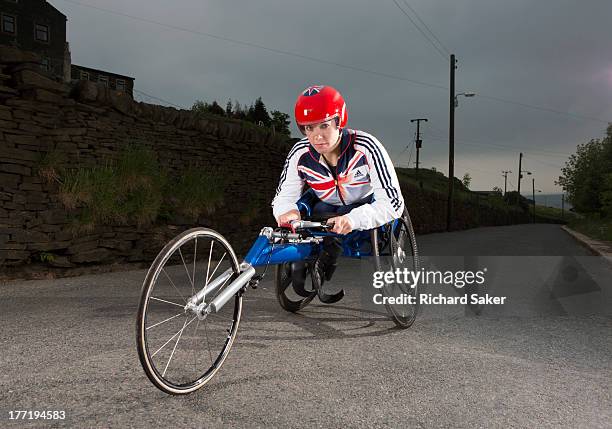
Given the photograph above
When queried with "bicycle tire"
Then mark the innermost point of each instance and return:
(404, 224)
(149, 304)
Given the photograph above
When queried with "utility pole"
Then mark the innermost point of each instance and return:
(451, 144)
(505, 174)
(419, 142)
(520, 176)
(533, 194)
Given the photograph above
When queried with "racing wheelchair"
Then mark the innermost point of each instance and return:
(193, 291)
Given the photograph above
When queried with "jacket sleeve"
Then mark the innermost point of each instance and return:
(290, 185)
(388, 201)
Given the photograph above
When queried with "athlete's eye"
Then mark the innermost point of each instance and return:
(309, 128)
(324, 126)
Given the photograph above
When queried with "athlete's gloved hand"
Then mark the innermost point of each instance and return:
(288, 217)
(342, 224)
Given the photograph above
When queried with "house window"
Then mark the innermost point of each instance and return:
(45, 64)
(103, 80)
(41, 32)
(120, 85)
(84, 75)
(8, 23)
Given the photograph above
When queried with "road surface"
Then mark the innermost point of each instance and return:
(542, 360)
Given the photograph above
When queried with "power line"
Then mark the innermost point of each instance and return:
(254, 45)
(421, 31)
(543, 109)
(425, 25)
(322, 61)
(487, 144)
(142, 93)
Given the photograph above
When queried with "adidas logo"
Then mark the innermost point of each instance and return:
(358, 173)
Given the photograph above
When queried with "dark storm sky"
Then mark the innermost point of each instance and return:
(553, 54)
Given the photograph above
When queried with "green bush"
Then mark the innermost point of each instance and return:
(197, 192)
(123, 191)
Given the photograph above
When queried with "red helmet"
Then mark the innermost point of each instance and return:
(320, 103)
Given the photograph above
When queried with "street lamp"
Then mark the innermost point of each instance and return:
(465, 94)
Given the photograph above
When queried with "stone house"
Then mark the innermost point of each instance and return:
(36, 26)
(113, 81)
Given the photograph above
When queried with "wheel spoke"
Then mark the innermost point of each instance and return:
(174, 349)
(222, 317)
(168, 302)
(195, 254)
(215, 270)
(208, 267)
(166, 343)
(179, 292)
(185, 266)
(208, 342)
(164, 321)
(172, 352)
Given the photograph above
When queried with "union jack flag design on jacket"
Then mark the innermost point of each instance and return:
(364, 168)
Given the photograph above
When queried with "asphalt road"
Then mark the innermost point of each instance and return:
(542, 360)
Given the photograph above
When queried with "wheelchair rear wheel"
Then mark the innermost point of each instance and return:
(398, 249)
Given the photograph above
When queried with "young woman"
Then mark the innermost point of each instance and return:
(349, 171)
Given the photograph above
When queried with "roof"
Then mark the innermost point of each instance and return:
(50, 6)
(89, 69)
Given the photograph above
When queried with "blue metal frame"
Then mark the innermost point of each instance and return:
(356, 244)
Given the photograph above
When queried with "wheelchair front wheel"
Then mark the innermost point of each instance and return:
(179, 351)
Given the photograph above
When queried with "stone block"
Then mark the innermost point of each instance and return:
(13, 55)
(29, 127)
(61, 262)
(9, 180)
(67, 131)
(7, 125)
(15, 169)
(48, 246)
(94, 255)
(30, 187)
(121, 245)
(35, 206)
(82, 247)
(18, 154)
(21, 114)
(27, 79)
(86, 91)
(6, 115)
(45, 96)
(25, 139)
(15, 255)
(63, 235)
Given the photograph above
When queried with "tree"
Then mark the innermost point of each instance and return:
(202, 107)
(467, 179)
(585, 176)
(280, 122)
(497, 189)
(260, 113)
(228, 109)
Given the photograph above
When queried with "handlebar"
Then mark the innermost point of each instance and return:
(303, 224)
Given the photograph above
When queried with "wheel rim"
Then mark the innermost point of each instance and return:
(179, 351)
(401, 256)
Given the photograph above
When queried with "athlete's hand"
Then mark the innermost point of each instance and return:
(342, 225)
(288, 217)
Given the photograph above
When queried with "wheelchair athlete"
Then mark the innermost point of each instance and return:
(349, 171)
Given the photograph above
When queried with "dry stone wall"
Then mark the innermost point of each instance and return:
(86, 125)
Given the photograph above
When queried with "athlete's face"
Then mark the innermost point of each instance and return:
(323, 136)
